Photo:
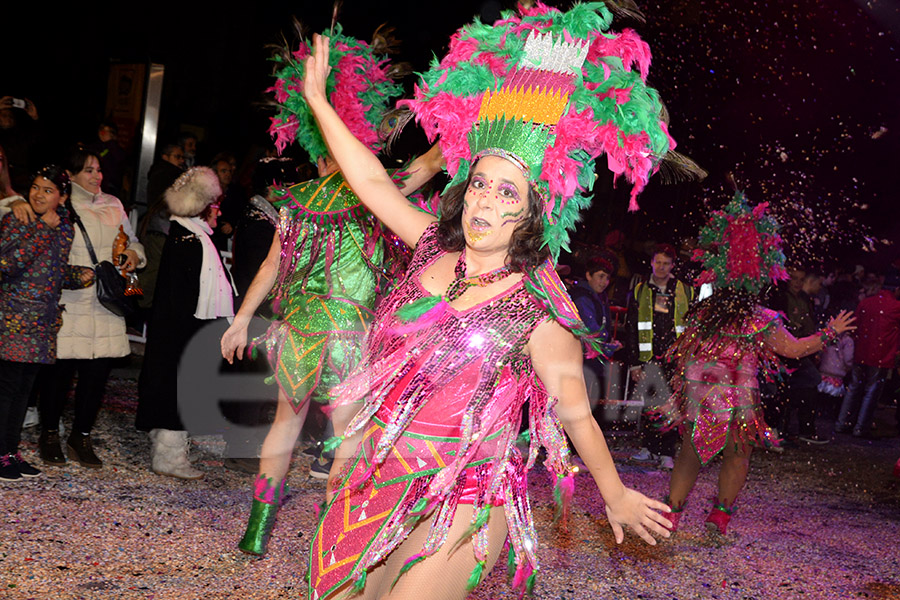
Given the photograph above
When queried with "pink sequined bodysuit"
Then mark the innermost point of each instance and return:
(441, 410)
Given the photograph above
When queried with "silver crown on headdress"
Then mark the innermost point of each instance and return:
(557, 56)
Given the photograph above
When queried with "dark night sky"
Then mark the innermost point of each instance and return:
(798, 99)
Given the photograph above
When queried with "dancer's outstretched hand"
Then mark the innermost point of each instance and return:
(843, 321)
(638, 512)
(317, 70)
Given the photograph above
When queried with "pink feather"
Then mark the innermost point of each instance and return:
(353, 71)
(627, 45)
(537, 9)
(633, 205)
(283, 132)
(665, 127)
(460, 50)
(520, 579)
(743, 257)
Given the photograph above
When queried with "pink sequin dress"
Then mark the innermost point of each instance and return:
(716, 386)
(441, 411)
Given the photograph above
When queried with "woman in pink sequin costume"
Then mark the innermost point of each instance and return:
(729, 339)
(428, 483)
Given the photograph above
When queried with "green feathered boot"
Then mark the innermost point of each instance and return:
(267, 497)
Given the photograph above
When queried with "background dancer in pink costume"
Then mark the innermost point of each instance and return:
(728, 339)
(430, 481)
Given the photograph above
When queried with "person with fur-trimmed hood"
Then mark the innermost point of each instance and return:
(192, 288)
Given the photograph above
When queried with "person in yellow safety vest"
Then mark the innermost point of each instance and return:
(655, 318)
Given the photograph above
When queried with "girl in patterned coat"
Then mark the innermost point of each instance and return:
(33, 271)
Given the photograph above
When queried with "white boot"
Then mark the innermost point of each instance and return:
(169, 454)
(31, 417)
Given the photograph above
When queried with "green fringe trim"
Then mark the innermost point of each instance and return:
(415, 309)
(416, 513)
(332, 443)
(475, 577)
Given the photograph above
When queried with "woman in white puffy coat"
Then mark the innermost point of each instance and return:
(91, 336)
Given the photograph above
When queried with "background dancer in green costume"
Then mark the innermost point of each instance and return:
(323, 266)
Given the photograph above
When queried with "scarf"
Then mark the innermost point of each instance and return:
(216, 288)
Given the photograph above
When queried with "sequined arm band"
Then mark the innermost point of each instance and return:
(828, 335)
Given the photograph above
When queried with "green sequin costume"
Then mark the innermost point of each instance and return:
(331, 256)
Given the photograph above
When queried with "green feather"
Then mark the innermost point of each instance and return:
(406, 567)
(511, 562)
(419, 506)
(475, 577)
(415, 309)
(332, 443)
(360, 583)
(480, 521)
(483, 516)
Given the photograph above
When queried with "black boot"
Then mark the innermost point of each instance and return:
(82, 451)
(50, 450)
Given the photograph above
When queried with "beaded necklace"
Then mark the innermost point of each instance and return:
(462, 283)
(435, 305)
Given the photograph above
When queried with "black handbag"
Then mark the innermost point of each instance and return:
(110, 285)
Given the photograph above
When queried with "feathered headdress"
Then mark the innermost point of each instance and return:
(359, 87)
(552, 91)
(741, 247)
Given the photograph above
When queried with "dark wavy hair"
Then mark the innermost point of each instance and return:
(526, 247)
(724, 309)
(57, 175)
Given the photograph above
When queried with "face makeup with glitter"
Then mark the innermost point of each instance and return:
(495, 201)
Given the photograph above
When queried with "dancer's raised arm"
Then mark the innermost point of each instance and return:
(360, 167)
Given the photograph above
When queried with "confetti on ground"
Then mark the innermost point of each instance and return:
(815, 523)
